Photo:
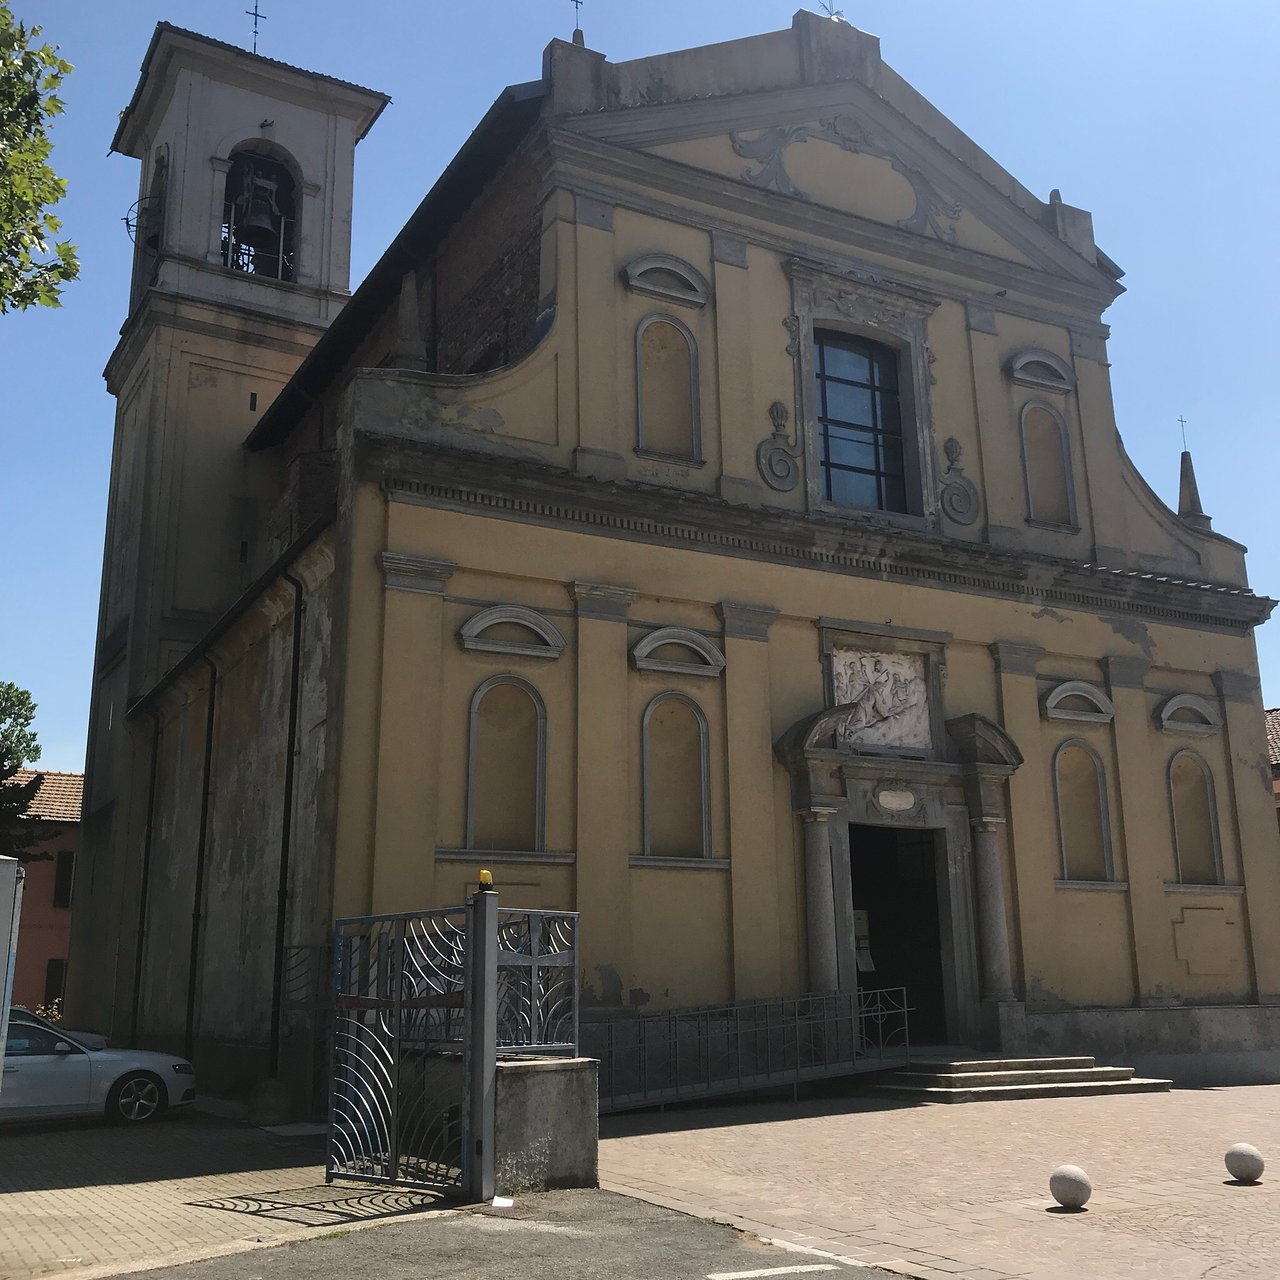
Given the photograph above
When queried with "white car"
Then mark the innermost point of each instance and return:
(48, 1074)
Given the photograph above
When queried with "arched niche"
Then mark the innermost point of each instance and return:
(1084, 825)
(660, 275)
(1188, 713)
(677, 651)
(1036, 367)
(506, 766)
(1078, 700)
(668, 394)
(511, 629)
(1046, 467)
(675, 778)
(1193, 810)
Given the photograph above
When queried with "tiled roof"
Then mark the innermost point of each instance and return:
(58, 799)
(1273, 735)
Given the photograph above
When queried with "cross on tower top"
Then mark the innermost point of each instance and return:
(1182, 422)
(577, 13)
(257, 17)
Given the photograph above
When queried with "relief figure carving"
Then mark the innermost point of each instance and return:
(887, 699)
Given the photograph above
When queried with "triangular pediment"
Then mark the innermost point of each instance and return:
(844, 147)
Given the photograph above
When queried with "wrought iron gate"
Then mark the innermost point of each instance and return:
(423, 1003)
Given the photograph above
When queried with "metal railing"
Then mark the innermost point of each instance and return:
(538, 982)
(745, 1045)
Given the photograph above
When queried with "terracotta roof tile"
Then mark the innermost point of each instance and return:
(1273, 735)
(59, 797)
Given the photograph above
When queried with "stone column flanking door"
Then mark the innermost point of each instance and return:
(993, 924)
(820, 900)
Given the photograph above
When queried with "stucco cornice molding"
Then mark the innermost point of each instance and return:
(602, 601)
(543, 495)
(415, 573)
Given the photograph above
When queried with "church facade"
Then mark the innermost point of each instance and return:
(708, 515)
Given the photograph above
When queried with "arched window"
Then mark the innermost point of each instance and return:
(1197, 853)
(506, 766)
(259, 217)
(860, 445)
(667, 420)
(1083, 830)
(1046, 462)
(676, 779)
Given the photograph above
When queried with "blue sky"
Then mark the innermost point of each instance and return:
(1157, 115)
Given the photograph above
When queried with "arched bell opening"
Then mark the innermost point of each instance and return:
(260, 217)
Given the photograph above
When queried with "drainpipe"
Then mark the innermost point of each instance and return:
(198, 896)
(146, 878)
(286, 828)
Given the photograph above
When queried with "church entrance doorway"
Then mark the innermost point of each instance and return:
(897, 896)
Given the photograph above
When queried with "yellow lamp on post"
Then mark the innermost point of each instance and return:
(486, 881)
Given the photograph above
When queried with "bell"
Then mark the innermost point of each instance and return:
(261, 229)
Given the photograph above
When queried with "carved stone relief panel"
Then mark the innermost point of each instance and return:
(888, 699)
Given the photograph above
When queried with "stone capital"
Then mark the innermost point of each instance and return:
(1236, 686)
(816, 813)
(600, 600)
(415, 573)
(1125, 671)
(1015, 658)
(746, 621)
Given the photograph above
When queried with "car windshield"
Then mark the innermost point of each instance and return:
(19, 1017)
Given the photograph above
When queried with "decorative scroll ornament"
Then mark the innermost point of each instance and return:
(776, 456)
(932, 209)
(959, 496)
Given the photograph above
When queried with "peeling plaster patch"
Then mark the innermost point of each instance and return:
(1134, 632)
(638, 997)
(1047, 612)
(610, 985)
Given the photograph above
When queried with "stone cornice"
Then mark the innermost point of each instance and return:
(415, 573)
(602, 601)
(746, 621)
(522, 491)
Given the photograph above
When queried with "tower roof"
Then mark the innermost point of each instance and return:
(169, 43)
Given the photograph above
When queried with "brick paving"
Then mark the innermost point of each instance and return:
(92, 1199)
(943, 1191)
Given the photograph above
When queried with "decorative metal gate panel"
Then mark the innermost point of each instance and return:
(538, 982)
(399, 1084)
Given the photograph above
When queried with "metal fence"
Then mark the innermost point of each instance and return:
(423, 1001)
(745, 1045)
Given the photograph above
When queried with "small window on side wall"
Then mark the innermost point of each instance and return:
(667, 420)
(1046, 461)
(861, 452)
(1083, 830)
(1197, 852)
(676, 779)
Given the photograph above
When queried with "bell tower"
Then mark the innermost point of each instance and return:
(242, 239)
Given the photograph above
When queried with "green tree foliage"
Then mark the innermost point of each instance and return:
(32, 268)
(18, 746)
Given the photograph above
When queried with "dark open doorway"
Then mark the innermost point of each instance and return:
(895, 881)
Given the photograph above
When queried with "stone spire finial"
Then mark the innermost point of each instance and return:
(1189, 508)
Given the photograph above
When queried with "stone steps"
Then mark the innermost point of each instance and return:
(992, 1079)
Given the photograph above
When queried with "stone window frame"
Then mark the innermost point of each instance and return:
(1104, 808)
(1051, 709)
(697, 290)
(1189, 702)
(1211, 795)
(704, 754)
(694, 458)
(471, 633)
(1062, 382)
(707, 660)
(540, 765)
(1064, 440)
(896, 317)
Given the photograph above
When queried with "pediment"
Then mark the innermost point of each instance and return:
(841, 147)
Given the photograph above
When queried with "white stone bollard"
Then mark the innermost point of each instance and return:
(1244, 1163)
(1070, 1186)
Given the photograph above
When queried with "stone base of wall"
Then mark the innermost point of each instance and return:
(546, 1124)
(1188, 1044)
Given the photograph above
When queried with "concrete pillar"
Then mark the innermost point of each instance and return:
(757, 956)
(1250, 792)
(820, 901)
(409, 732)
(607, 743)
(993, 925)
(1143, 811)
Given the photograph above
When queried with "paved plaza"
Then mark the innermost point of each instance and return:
(937, 1191)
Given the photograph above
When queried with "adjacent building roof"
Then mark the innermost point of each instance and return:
(59, 796)
(1273, 736)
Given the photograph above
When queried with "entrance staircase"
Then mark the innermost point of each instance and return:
(991, 1079)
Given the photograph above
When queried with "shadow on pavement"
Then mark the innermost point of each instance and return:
(326, 1205)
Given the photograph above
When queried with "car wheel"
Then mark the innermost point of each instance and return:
(136, 1098)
